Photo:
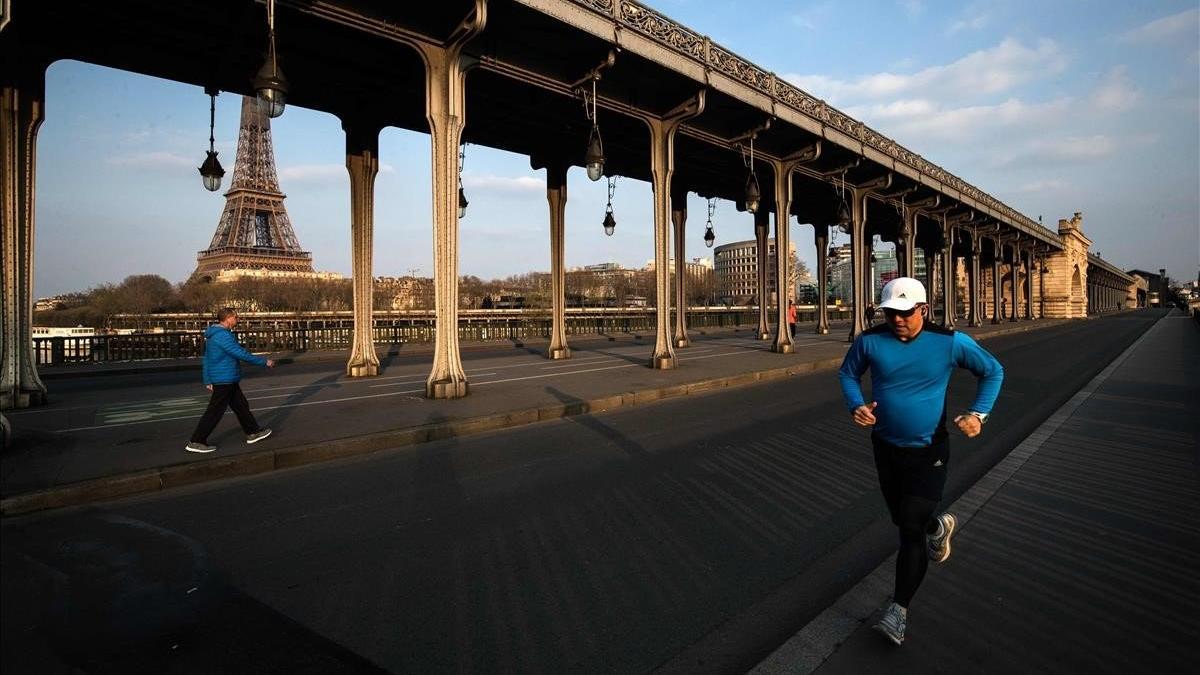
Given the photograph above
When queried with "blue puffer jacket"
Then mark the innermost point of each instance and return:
(222, 354)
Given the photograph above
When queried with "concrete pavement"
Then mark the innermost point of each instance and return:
(1077, 553)
(121, 433)
(692, 535)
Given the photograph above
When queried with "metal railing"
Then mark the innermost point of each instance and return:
(301, 335)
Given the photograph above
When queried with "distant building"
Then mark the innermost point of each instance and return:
(735, 271)
(48, 304)
(230, 275)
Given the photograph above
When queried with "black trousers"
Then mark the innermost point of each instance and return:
(225, 396)
(792, 328)
(912, 480)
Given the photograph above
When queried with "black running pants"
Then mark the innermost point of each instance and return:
(912, 480)
(224, 396)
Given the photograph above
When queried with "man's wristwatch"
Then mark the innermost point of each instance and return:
(982, 417)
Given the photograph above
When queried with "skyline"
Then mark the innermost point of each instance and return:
(1045, 120)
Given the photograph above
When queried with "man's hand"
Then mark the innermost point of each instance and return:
(270, 363)
(208, 387)
(969, 425)
(863, 415)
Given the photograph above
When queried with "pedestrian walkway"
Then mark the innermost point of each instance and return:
(1077, 552)
(116, 434)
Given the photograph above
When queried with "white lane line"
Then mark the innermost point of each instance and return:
(409, 391)
(423, 379)
(273, 407)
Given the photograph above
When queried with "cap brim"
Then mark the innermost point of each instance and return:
(901, 304)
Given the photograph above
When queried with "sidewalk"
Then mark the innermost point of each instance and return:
(1077, 552)
(114, 434)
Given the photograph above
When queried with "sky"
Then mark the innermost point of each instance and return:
(1052, 107)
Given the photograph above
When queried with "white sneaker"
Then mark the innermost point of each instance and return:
(892, 623)
(938, 547)
(199, 447)
(258, 435)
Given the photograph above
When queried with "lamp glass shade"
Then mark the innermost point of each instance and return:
(271, 87)
(462, 203)
(211, 172)
(843, 216)
(752, 193)
(709, 237)
(610, 223)
(594, 159)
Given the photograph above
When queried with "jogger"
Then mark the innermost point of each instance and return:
(910, 363)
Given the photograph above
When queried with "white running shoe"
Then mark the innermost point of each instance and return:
(892, 623)
(199, 447)
(938, 547)
(258, 435)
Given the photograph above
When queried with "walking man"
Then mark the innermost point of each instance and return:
(222, 373)
(910, 362)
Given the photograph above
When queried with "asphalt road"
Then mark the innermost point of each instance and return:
(694, 535)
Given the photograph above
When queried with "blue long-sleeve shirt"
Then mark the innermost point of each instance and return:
(222, 356)
(909, 380)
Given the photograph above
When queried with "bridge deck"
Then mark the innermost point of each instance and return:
(110, 426)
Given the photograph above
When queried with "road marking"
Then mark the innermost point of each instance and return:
(423, 379)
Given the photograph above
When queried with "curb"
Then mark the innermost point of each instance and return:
(251, 463)
(258, 462)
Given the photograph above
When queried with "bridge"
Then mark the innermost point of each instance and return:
(677, 110)
(675, 489)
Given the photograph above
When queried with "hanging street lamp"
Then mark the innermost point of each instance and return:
(753, 194)
(462, 196)
(594, 159)
(270, 85)
(211, 171)
(710, 237)
(843, 210)
(610, 223)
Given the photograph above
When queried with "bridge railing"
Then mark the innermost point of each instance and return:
(303, 336)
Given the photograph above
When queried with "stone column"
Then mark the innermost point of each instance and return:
(997, 281)
(783, 259)
(859, 258)
(679, 221)
(948, 279)
(821, 239)
(762, 227)
(362, 161)
(906, 251)
(556, 197)
(973, 285)
(445, 110)
(1013, 294)
(1029, 284)
(931, 263)
(22, 110)
(662, 168)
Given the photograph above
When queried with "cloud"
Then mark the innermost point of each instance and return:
(1059, 151)
(912, 7)
(1116, 91)
(984, 72)
(156, 160)
(1165, 28)
(519, 185)
(813, 16)
(314, 174)
(1050, 185)
(973, 21)
(916, 122)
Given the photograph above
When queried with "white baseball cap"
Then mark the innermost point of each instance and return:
(902, 293)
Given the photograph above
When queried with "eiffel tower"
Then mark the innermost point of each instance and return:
(254, 232)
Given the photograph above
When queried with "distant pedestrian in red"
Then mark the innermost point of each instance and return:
(792, 317)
